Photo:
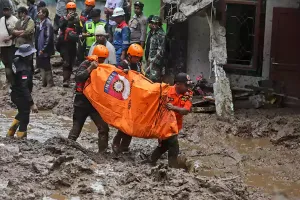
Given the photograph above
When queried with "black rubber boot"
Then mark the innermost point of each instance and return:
(49, 78)
(44, 78)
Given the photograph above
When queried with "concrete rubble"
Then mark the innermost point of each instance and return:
(189, 7)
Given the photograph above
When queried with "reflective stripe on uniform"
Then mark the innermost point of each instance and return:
(90, 28)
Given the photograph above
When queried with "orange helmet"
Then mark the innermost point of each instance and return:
(90, 2)
(135, 50)
(101, 51)
(71, 5)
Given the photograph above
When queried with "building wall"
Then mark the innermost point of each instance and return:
(199, 45)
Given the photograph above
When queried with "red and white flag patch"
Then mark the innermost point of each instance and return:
(24, 77)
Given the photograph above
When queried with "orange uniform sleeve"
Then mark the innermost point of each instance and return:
(188, 104)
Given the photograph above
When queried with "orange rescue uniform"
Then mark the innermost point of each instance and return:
(179, 100)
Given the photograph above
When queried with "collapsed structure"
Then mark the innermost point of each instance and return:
(179, 11)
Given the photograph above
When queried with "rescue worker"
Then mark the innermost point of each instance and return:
(84, 17)
(156, 51)
(101, 38)
(21, 91)
(86, 13)
(69, 36)
(82, 107)
(138, 25)
(121, 40)
(135, 53)
(90, 28)
(179, 101)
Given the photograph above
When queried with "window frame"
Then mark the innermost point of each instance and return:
(258, 5)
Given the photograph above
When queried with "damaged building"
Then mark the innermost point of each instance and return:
(253, 40)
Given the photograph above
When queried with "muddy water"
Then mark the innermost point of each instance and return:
(265, 177)
(268, 178)
(45, 125)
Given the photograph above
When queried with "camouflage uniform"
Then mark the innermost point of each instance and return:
(156, 52)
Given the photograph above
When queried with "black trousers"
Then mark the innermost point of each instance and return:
(69, 52)
(56, 24)
(81, 52)
(43, 62)
(172, 146)
(122, 141)
(7, 56)
(79, 117)
(23, 115)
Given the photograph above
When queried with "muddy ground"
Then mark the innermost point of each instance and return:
(255, 155)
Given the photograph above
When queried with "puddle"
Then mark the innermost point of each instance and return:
(264, 177)
(60, 197)
(44, 125)
(244, 146)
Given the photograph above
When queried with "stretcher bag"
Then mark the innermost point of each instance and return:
(131, 103)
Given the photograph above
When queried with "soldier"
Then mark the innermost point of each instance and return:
(149, 36)
(156, 52)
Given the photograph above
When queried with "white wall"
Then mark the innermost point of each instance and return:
(199, 45)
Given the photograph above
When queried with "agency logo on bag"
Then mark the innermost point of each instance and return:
(117, 86)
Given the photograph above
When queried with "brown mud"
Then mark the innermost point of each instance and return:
(255, 156)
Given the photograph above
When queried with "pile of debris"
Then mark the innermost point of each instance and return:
(267, 94)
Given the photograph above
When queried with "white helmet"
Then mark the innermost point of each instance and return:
(118, 12)
(100, 30)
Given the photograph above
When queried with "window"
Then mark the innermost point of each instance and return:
(242, 21)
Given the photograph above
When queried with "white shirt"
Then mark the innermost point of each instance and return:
(10, 24)
(112, 4)
(112, 53)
